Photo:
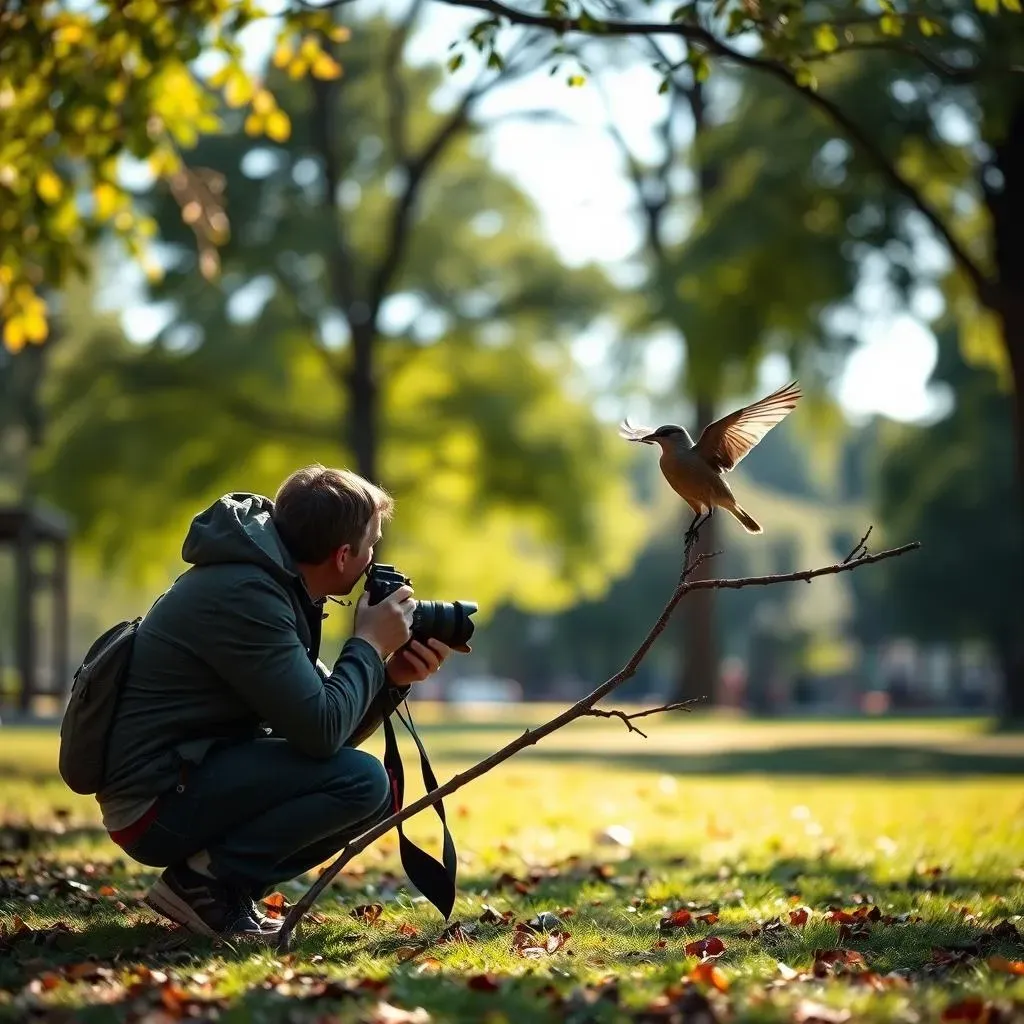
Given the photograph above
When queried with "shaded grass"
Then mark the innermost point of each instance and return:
(761, 835)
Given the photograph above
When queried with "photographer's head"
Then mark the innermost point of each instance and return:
(330, 520)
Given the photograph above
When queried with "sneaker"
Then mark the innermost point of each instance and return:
(267, 924)
(201, 904)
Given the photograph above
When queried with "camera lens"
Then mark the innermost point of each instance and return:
(447, 621)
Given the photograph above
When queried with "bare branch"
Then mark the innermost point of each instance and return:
(861, 547)
(577, 710)
(683, 705)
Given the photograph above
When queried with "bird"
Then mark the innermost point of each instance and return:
(696, 472)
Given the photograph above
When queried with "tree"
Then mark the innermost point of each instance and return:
(83, 88)
(492, 458)
(951, 485)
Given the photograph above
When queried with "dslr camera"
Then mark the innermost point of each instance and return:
(447, 621)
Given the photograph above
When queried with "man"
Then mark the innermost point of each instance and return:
(233, 760)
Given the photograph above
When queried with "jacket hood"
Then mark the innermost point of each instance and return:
(238, 528)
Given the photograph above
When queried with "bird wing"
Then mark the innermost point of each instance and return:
(632, 433)
(726, 441)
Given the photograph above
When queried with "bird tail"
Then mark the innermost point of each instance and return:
(749, 523)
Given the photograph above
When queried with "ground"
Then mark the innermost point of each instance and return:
(849, 871)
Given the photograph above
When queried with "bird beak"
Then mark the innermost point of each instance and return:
(646, 439)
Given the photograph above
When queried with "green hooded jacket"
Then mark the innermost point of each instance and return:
(229, 652)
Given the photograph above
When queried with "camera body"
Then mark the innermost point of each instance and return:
(447, 621)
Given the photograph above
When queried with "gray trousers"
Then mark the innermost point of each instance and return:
(265, 812)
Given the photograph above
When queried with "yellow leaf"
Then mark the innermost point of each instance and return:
(117, 91)
(220, 77)
(239, 89)
(326, 67)
(49, 186)
(14, 334)
(1012, 5)
(928, 27)
(124, 221)
(278, 126)
(254, 125)
(34, 324)
(987, 6)
(298, 68)
(891, 25)
(263, 102)
(339, 34)
(284, 54)
(65, 219)
(310, 49)
(106, 198)
(825, 38)
(574, 81)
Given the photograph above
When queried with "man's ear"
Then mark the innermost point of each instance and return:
(341, 556)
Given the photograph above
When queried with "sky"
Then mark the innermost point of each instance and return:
(574, 173)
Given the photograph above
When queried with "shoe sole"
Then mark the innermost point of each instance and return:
(163, 899)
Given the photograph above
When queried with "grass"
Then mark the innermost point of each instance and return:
(751, 822)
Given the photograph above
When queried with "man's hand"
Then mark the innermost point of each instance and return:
(414, 663)
(387, 624)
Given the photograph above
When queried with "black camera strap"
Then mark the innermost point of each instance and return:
(434, 879)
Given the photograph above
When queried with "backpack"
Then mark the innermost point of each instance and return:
(89, 715)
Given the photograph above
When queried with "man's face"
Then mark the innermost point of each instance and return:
(351, 563)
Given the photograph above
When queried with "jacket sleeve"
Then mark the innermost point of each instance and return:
(385, 703)
(256, 650)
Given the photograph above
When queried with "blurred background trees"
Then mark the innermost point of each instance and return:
(345, 274)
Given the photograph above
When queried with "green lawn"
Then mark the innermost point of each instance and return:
(753, 827)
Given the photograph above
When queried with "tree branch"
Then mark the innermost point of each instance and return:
(579, 709)
(683, 705)
(399, 100)
(696, 33)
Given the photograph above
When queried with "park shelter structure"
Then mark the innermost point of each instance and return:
(38, 536)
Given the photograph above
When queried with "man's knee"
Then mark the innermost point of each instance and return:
(361, 781)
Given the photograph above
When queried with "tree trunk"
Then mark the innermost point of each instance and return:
(363, 402)
(698, 675)
(1006, 207)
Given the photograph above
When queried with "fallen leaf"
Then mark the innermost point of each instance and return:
(429, 966)
(107, 890)
(408, 930)
(677, 919)
(367, 912)
(971, 1008)
(711, 918)
(1004, 966)
(528, 944)
(798, 918)
(458, 932)
(826, 960)
(276, 904)
(491, 916)
(709, 973)
(711, 946)
(407, 952)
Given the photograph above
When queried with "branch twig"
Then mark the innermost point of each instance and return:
(683, 705)
(579, 709)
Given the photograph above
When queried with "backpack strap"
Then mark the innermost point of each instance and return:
(434, 879)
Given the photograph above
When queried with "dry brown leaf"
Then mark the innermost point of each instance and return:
(1004, 966)
(709, 973)
(408, 952)
(367, 912)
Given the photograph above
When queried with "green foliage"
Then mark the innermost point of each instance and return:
(507, 486)
(82, 88)
(952, 486)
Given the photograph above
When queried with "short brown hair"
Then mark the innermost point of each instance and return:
(317, 510)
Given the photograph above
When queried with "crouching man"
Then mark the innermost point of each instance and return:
(233, 760)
